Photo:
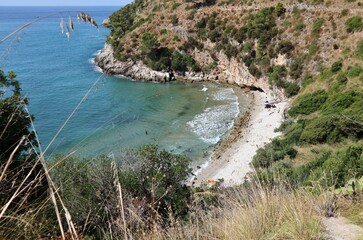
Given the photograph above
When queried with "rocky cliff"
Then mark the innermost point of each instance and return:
(227, 71)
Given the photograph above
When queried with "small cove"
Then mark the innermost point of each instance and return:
(119, 114)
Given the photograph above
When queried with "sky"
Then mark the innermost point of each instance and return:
(64, 2)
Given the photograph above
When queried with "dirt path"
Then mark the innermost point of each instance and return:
(340, 229)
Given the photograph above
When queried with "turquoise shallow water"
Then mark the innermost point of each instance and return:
(119, 113)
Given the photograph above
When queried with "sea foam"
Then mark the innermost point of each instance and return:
(215, 121)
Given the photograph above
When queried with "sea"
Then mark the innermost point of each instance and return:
(114, 113)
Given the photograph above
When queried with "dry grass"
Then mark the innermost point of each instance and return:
(260, 214)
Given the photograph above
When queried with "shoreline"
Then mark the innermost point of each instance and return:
(252, 129)
(231, 158)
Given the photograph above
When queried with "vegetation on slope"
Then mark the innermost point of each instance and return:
(144, 193)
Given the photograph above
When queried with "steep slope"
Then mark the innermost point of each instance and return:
(252, 44)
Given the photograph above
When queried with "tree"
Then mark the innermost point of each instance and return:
(14, 120)
(149, 43)
(18, 165)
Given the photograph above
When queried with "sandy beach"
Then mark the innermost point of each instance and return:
(231, 159)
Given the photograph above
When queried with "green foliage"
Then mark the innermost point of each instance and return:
(291, 89)
(285, 47)
(344, 164)
(354, 71)
(280, 9)
(358, 53)
(123, 21)
(18, 161)
(260, 26)
(14, 119)
(153, 189)
(277, 75)
(202, 23)
(308, 79)
(313, 49)
(296, 67)
(272, 152)
(353, 186)
(149, 43)
(309, 103)
(317, 24)
(354, 24)
(159, 60)
(181, 62)
(300, 27)
(336, 66)
(342, 78)
(230, 51)
(175, 5)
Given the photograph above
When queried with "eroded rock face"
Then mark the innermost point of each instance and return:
(133, 69)
(227, 71)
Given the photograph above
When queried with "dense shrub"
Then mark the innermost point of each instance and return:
(354, 71)
(22, 177)
(336, 66)
(149, 43)
(181, 62)
(331, 129)
(309, 103)
(291, 89)
(280, 9)
(277, 76)
(285, 47)
(340, 101)
(230, 51)
(153, 189)
(272, 152)
(342, 78)
(296, 67)
(354, 24)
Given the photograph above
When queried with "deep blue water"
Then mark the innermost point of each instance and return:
(56, 73)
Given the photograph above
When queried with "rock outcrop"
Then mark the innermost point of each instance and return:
(226, 71)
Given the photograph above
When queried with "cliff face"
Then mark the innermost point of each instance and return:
(227, 71)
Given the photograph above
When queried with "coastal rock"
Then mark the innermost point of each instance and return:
(133, 69)
(226, 71)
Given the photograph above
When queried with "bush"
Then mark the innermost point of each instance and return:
(359, 51)
(153, 189)
(181, 62)
(285, 47)
(339, 102)
(279, 9)
(354, 71)
(230, 51)
(277, 76)
(354, 24)
(291, 89)
(342, 78)
(317, 24)
(309, 103)
(174, 20)
(149, 43)
(336, 66)
(272, 152)
(300, 27)
(331, 129)
(313, 49)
